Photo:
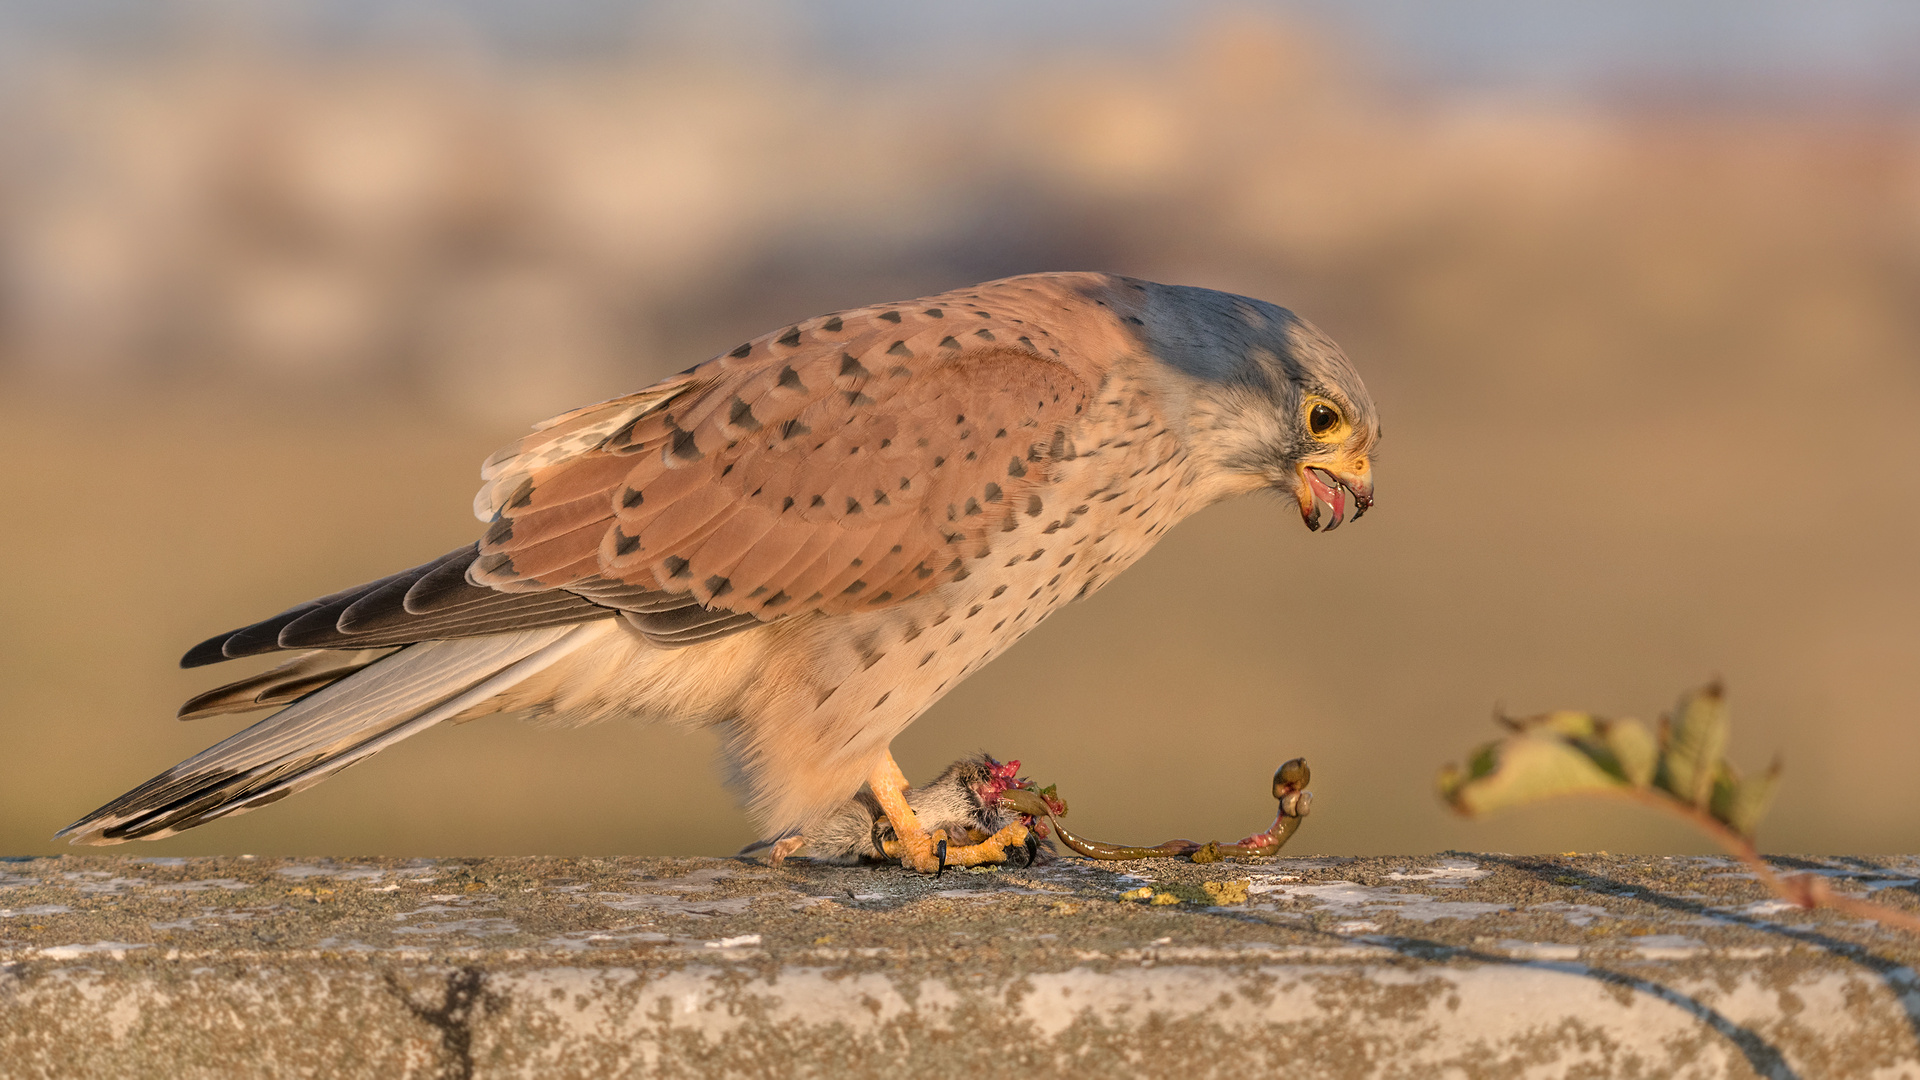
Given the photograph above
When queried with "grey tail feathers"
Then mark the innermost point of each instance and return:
(317, 736)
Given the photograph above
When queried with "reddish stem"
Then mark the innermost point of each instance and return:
(1807, 891)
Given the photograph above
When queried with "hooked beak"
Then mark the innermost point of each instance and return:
(1336, 491)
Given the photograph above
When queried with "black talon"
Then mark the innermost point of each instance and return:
(1033, 848)
(940, 852)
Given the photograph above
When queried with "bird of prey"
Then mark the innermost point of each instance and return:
(806, 541)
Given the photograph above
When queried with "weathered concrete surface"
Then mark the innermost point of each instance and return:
(1460, 965)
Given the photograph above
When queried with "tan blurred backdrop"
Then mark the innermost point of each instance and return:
(1647, 352)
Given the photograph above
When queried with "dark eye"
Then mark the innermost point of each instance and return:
(1322, 418)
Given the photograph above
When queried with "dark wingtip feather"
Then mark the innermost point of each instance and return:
(375, 609)
(261, 637)
(207, 652)
(445, 585)
(315, 628)
(264, 636)
(433, 600)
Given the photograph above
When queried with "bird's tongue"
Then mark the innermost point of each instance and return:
(1329, 491)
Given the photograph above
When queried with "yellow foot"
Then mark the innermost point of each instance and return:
(994, 849)
(930, 853)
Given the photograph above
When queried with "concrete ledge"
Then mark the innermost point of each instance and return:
(1463, 965)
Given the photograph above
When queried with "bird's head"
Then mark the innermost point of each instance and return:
(1270, 401)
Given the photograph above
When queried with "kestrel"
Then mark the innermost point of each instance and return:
(806, 541)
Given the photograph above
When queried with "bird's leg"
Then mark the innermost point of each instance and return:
(927, 852)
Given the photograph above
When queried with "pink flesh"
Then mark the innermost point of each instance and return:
(1001, 778)
(1334, 496)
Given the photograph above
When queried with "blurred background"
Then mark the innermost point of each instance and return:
(1636, 286)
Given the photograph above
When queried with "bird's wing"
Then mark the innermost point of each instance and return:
(861, 456)
(848, 462)
(432, 601)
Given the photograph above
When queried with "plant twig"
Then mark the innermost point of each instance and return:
(1681, 770)
(1807, 891)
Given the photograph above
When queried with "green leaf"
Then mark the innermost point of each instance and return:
(1740, 804)
(1694, 740)
(1571, 753)
(1521, 769)
(1635, 748)
(1573, 725)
